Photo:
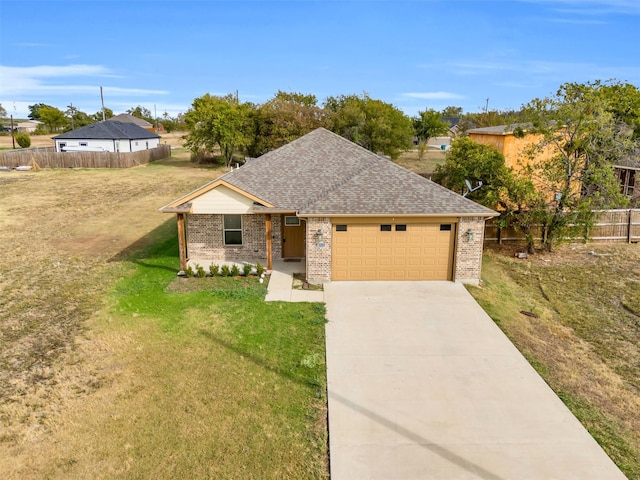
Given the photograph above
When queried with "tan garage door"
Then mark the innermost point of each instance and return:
(392, 251)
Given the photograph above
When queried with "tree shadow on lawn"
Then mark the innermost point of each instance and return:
(152, 247)
(256, 360)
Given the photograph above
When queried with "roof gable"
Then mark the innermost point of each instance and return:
(208, 187)
(109, 130)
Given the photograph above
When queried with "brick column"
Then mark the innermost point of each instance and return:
(318, 254)
(469, 244)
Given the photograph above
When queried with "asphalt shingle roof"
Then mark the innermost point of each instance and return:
(326, 174)
(109, 130)
(126, 118)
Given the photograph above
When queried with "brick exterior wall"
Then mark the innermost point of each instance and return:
(318, 255)
(469, 253)
(276, 234)
(205, 242)
(205, 239)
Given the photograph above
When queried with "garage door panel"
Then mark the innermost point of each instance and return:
(364, 252)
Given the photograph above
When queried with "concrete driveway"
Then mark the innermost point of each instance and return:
(423, 385)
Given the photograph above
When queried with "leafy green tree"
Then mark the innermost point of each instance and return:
(34, 110)
(473, 162)
(452, 111)
(97, 117)
(585, 138)
(53, 118)
(77, 118)
(623, 101)
(3, 112)
(501, 189)
(222, 122)
(372, 124)
(493, 118)
(143, 113)
(284, 118)
(168, 124)
(428, 124)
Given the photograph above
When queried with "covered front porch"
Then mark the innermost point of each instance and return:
(277, 240)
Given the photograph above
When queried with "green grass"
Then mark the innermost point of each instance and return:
(229, 386)
(585, 341)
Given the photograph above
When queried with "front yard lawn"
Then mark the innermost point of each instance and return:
(205, 382)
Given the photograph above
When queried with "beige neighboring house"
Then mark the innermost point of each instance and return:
(514, 148)
(28, 126)
(515, 151)
(126, 118)
(348, 213)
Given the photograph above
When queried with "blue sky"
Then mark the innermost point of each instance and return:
(418, 54)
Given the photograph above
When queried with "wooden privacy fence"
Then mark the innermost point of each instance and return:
(608, 226)
(47, 157)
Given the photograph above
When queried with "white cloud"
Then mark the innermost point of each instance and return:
(19, 82)
(593, 7)
(433, 95)
(548, 69)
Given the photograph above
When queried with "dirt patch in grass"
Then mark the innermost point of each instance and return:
(300, 283)
(585, 337)
(411, 160)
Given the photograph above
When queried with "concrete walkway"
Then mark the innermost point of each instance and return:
(280, 288)
(423, 385)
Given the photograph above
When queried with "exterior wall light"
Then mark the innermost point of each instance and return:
(469, 235)
(319, 236)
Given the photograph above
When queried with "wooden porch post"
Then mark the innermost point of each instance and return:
(269, 242)
(182, 245)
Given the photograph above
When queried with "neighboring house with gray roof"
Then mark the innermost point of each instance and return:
(108, 136)
(349, 213)
(126, 118)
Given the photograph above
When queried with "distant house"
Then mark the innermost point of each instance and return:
(628, 173)
(108, 136)
(126, 118)
(454, 125)
(28, 126)
(514, 149)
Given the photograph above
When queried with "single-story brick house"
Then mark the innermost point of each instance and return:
(107, 136)
(351, 214)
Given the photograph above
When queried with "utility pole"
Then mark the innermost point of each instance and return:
(486, 110)
(13, 139)
(102, 100)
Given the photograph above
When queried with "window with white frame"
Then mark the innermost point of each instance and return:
(232, 229)
(292, 221)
